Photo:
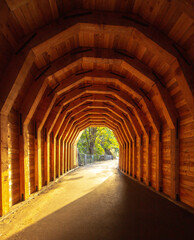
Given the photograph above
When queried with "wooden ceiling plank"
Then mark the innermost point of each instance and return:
(33, 98)
(162, 98)
(76, 97)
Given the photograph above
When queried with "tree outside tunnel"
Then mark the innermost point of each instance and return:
(98, 142)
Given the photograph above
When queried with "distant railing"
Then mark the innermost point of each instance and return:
(84, 159)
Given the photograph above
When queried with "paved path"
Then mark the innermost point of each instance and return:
(97, 202)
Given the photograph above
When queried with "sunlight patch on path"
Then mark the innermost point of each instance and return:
(65, 191)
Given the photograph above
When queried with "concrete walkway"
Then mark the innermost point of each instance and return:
(97, 202)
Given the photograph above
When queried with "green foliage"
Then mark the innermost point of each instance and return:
(98, 140)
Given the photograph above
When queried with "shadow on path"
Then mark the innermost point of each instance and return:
(119, 209)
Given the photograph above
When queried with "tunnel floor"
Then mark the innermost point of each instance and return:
(97, 202)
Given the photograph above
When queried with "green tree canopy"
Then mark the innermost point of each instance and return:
(98, 140)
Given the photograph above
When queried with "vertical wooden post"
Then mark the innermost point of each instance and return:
(69, 154)
(149, 167)
(120, 156)
(36, 162)
(124, 157)
(65, 156)
(59, 156)
(53, 160)
(45, 158)
(127, 158)
(174, 156)
(24, 164)
(76, 154)
(131, 157)
(74, 151)
(158, 162)
(37, 158)
(71, 159)
(70, 150)
(39, 164)
(73, 155)
(48, 159)
(134, 157)
(56, 156)
(4, 167)
(141, 159)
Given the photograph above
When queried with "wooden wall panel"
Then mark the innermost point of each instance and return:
(186, 135)
(13, 156)
(42, 157)
(137, 163)
(52, 163)
(153, 160)
(187, 162)
(57, 158)
(166, 161)
(145, 152)
(31, 156)
(20, 18)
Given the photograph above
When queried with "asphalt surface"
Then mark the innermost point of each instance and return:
(97, 202)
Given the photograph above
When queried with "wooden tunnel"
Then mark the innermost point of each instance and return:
(66, 65)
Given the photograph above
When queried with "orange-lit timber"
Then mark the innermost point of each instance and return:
(103, 70)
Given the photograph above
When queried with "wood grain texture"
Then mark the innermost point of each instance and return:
(67, 65)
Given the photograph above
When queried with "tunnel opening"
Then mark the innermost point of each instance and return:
(64, 74)
(95, 144)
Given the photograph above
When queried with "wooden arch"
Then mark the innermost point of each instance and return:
(63, 74)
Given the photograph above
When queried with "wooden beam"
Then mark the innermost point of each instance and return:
(158, 163)
(45, 155)
(115, 117)
(38, 160)
(108, 120)
(33, 97)
(92, 98)
(12, 81)
(166, 44)
(4, 167)
(183, 84)
(167, 106)
(24, 165)
(149, 158)
(141, 159)
(174, 157)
